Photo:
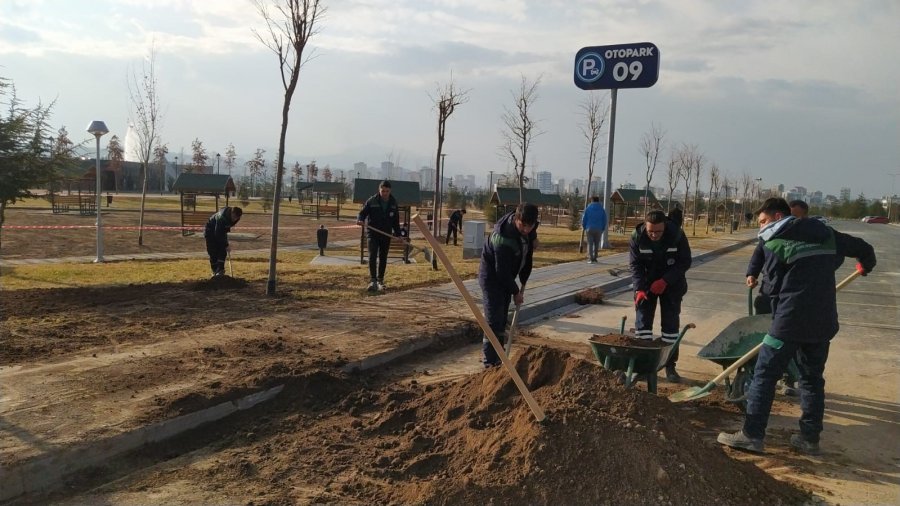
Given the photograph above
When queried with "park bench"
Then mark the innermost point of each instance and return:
(62, 203)
(195, 219)
(324, 210)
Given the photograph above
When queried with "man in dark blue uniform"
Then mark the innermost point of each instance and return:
(801, 255)
(454, 224)
(380, 212)
(507, 254)
(216, 235)
(659, 258)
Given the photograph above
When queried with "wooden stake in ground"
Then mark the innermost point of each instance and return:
(532, 403)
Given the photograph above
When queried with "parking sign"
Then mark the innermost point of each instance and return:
(619, 66)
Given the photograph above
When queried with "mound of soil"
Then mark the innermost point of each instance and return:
(628, 341)
(477, 442)
(589, 296)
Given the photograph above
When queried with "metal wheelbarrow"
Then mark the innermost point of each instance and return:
(635, 363)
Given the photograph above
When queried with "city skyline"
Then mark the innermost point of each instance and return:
(753, 85)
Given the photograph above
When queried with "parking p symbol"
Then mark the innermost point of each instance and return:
(590, 67)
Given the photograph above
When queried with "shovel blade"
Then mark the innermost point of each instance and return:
(692, 393)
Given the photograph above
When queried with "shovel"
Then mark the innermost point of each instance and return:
(700, 392)
(230, 266)
(425, 252)
(513, 327)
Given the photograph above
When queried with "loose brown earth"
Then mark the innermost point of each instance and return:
(366, 438)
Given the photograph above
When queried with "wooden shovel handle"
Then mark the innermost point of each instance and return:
(532, 403)
(752, 353)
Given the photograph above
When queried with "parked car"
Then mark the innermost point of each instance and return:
(877, 219)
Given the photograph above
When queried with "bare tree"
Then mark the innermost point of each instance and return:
(521, 129)
(595, 115)
(256, 166)
(746, 188)
(159, 158)
(686, 161)
(287, 37)
(673, 174)
(697, 171)
(713, 193)
(449, 96)
(199, 157)
(230, 156)
(651, 145)
(145, 116)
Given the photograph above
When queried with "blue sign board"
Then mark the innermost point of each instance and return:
(619, 66)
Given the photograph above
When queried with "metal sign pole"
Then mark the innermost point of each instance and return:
(604, 240)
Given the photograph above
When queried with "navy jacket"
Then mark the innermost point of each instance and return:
(456, 219)
(506, 254)
(218, 226)
(387, 221)
(669, 259)
(754, 268)
(800, 259)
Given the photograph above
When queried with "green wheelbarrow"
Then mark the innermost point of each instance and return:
(635, 363)
(735, 341)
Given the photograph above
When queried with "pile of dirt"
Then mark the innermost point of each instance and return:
(477, 442)
(589, 296)
(223, 282)
(628, 341)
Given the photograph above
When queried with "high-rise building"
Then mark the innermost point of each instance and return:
(426, 178)
(544, 181)
(845, 194)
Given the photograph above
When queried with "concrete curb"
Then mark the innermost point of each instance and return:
(46, 473)
(535, 311)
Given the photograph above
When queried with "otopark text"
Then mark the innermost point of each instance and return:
(620, 66)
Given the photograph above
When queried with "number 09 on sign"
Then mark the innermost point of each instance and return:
(620, 66)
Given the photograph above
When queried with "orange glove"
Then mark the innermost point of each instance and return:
(639, 297)
(658, 286)
(861, 270)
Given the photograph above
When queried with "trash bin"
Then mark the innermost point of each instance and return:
(108, 200)
(322, 239)
(734, 225)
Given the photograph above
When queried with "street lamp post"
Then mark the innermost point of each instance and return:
(218, 160)
(98, 129)
(891, 198)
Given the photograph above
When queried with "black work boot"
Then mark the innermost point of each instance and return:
(672, 375)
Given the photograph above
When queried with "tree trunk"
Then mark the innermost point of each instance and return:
(143, 204)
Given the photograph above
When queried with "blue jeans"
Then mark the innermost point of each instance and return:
(770, 367)
(593, 240)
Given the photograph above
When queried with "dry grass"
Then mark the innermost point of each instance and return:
(295, 275)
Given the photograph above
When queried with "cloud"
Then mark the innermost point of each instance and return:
(16, 35)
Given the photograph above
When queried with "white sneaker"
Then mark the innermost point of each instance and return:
(373, 287)
(381, 286)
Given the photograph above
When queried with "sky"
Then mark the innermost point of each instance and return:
(799, 93)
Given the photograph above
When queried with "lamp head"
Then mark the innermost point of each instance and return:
(97, 129)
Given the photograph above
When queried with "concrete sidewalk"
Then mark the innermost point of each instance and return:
(554, 286)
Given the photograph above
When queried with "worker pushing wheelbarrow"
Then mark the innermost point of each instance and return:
(635, 363)
(732, 343)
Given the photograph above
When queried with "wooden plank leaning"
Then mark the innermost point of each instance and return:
(479, 316)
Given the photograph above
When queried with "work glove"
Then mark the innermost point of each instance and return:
(658, 286)
(639, 297)
(861, 269)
